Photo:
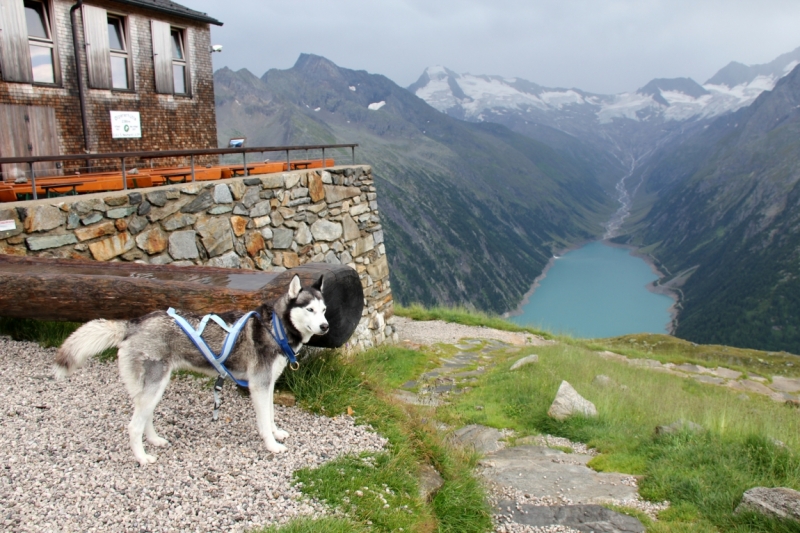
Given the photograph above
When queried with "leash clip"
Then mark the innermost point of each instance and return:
(294, 366)
(217, 397)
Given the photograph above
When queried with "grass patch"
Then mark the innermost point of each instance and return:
(47, 334)
(388, 482)
(705, 473)
(321, 525)
(666, 348)
(462, 315)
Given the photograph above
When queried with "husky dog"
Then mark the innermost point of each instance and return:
(152, 346)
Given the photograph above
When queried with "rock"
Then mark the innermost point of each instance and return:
(254, 243)
(216, 234)
(783, 384)
(282, 238)
(362, 245)
(379, 269)
(303, 234)
(315, 187)
(284, 398)
(43, 218)
(351, 230)
(121, 212)
(533, 358)
(91, 219)
(324, 230)
(602, 380)
(568, 403)
(780, 502)
(111, 248)
(157, 198)
(430, 481)
(584, 518)
(222, 194)
(337, 193)
(93, 232)
(229, 260)
(203, 201)
(261, 209)
(178, 221)
(239, 225)
(251, 197)
(182, 245)
(153, 241)
(483, 439)
(50, 241)
(678, 426)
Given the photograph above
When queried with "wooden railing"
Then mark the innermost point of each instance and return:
(191, 154)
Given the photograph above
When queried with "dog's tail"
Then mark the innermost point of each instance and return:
(88, 340)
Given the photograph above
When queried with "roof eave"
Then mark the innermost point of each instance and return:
(199, 17)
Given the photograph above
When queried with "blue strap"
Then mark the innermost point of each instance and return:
(279, 334)
(218, 362)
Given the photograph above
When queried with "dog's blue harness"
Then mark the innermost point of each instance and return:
(218, 361)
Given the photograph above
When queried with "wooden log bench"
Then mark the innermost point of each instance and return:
(64, 289)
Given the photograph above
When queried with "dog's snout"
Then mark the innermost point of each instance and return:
(323, 327)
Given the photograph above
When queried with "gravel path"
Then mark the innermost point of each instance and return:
(67, 466)
(435, 331)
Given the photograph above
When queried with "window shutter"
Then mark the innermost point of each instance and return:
(98, 59)
(162, 56)
(43, 134)
(15, 58)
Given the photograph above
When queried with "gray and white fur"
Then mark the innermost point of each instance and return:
(152, 346)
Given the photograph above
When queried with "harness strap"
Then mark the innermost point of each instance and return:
(279, 334)
(218, 362)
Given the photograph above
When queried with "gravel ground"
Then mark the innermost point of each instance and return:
(67, 466)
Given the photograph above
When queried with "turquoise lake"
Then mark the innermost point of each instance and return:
(597, 291)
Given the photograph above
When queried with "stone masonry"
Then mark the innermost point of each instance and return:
(268, 222)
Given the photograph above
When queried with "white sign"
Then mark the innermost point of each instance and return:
(7, 225)
(125, 125)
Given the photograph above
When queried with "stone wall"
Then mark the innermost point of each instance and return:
(269, 222)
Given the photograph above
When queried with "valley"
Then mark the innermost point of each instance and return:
(483, 178)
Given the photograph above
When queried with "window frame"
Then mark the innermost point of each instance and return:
(15, 43)
(181, 62)
(163, 61)
(126, 53)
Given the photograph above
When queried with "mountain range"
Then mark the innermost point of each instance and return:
(483, 178)
(472, 212)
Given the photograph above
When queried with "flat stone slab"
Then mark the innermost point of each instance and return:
(483, 439)
(415, 399)
(584, 518)
(541, 472)
(782, 384)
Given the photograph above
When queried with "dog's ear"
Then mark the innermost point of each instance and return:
(318, 284)
(294, 287)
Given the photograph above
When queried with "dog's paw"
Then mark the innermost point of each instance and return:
(280, 434)
(158, 441)
(146, 459)
(277, 448)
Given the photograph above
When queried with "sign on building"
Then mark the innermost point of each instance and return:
(125, 125)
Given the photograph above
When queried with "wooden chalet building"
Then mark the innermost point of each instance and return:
(70, 71)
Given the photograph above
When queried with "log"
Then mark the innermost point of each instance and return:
(64, 289)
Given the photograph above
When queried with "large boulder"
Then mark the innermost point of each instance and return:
(568, 403)
(780, 501)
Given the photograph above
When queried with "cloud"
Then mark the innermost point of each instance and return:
(607, 47)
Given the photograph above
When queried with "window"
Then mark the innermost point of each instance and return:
(178, 62)
(108, 51)
(40, 42)
(118, 50)
(170, 59)
(27, 44)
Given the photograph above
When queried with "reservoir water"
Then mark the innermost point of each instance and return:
(597, 291)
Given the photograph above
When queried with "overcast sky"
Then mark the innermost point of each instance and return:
(602, 46)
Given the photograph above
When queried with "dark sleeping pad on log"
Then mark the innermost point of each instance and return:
(65, 289)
